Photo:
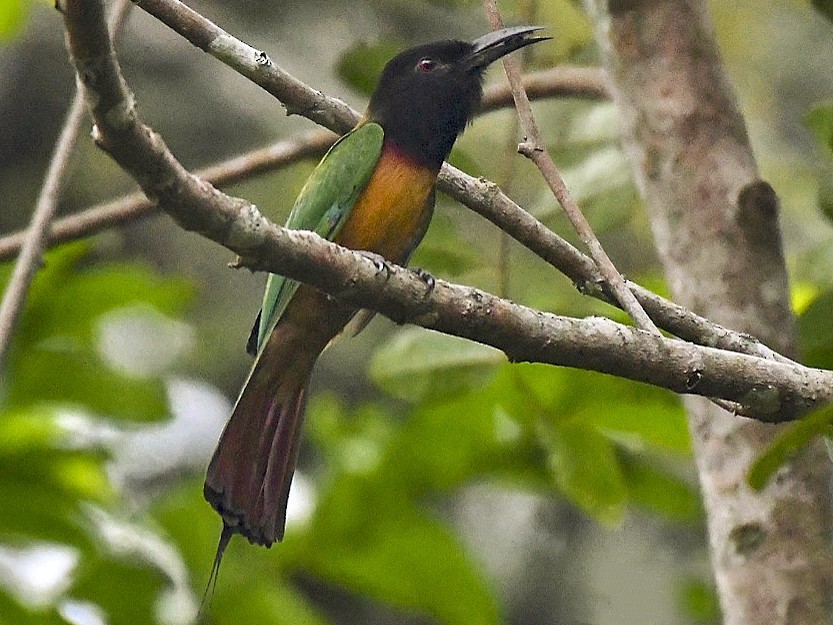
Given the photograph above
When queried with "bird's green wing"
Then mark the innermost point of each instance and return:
(323, 206)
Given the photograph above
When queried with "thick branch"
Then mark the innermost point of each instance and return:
(764, 386)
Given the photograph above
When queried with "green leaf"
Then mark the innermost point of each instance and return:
(825, 193)
(447, 443)
(815, 327)
(58, 356)
(350, 442)
(40, 507)
(634, 415)
(65, 301)
(105, 581)
(585, 468)
(44, 481)
(699, 602)
(417, 364)
(14, 613)
(73, 376)
(361, 65)
(28, 431)
(262, 596)
(398, 554)
(820, 123)
(659, 491)
(568, 25)
(444, 252)
(787, 444)
(13, 14)
(642, 417)
(195, 528)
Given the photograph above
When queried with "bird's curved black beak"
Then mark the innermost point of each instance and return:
(492, 46)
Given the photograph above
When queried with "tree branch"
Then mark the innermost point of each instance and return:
(764, 386)
(33, 240)
(136, 205)
(481, 196)
(585, 82)
(487, 200)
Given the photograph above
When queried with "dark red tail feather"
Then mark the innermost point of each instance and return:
(249, 476)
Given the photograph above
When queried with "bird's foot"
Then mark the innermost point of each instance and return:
(379, 262)
(427, 278)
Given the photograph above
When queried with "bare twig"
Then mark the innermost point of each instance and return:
(332, 113)
(565, 81)
(533, 148)
(33, 244)
(715, 226)
(481, 196)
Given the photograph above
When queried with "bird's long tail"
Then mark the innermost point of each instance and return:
(249, 476)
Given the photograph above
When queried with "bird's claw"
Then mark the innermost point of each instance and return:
(427, 278)
(379, 262)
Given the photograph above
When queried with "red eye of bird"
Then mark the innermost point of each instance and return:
(426, 64)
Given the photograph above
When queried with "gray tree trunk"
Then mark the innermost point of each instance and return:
(716, 228)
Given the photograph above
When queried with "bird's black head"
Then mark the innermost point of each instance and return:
(428, 93)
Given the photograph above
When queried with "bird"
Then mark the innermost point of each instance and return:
(372, 191)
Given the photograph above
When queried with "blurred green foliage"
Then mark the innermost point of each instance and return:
(825, 7)
(13, 15)
(60, 333)
(361, 65)
(788, 443)
(56, 370)
(700, 602)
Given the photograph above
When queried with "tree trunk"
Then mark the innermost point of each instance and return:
(716, 227)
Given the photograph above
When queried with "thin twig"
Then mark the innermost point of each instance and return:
(583, 82)
(564, 81)
(481, 196)
(533, 148)
(135, 206)
(31, 253)
(33, 246)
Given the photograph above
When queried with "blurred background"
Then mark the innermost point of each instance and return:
(437, 483)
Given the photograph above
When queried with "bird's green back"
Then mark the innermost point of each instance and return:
(323, 206)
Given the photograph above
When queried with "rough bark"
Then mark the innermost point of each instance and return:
(716, 228)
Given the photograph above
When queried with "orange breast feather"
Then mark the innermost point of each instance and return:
(391, 215)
